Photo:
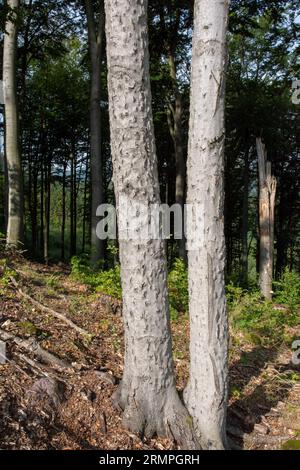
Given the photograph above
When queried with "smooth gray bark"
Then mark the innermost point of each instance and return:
(267, 194)
(14, 237)
(206, 392)
(95, 33)
(147, 393)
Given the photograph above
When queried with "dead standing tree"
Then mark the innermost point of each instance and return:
(267, 195)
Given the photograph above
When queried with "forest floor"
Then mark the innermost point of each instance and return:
(52, 407)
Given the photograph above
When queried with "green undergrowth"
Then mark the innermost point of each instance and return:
(291, 445)
(262, 322)
(104, 281)
(6, 274)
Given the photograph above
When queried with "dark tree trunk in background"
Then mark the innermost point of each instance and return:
(228, 215)
(85, 211)
(73, 204)
(175, 111)
(24, 65)
(63, 220)
(47, 210)
(42, 209)
(175, 126)
(95, 22)
(34, 217)
(245, 221)
(283, 230)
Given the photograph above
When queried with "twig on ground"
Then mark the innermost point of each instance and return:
(34, 347)
(49, 310)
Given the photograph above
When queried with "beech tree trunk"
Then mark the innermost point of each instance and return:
(267, 194)
(95, 33)
(147, 392)
(206, 392)
(15, 228)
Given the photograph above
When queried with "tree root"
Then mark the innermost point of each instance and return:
(163, 415)
(34, 347)
(49, 310)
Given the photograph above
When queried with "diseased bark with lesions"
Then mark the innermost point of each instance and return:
(206, 392)
(95, 21)
(147, 392)
(267, 194)
(15, 234)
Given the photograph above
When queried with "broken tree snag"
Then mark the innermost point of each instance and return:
(49, 310)
(267, 195)
(147, 392)
(34, 347)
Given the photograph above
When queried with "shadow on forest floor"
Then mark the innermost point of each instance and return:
(261, 380)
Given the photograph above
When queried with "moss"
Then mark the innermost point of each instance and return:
(291, 445)
(28, 328)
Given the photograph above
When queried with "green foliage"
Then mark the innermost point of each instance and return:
(258, 319)
(2, 242)
(288, 290)
(261, 323)
(28, 328)
(80, 267)
(53, 280)
(6, 275)
(291, 445)
(178, 289)
(234, 294)
(107, 282)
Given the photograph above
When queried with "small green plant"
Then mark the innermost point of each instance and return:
(234, 294)
(107, 282)
(260, 322)
(291, 445)
(2, 242)
(235, 392)
(30, 329)
(53, 280)
(80, 266)
(287, 290)
(5, 279)
(178, 289)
